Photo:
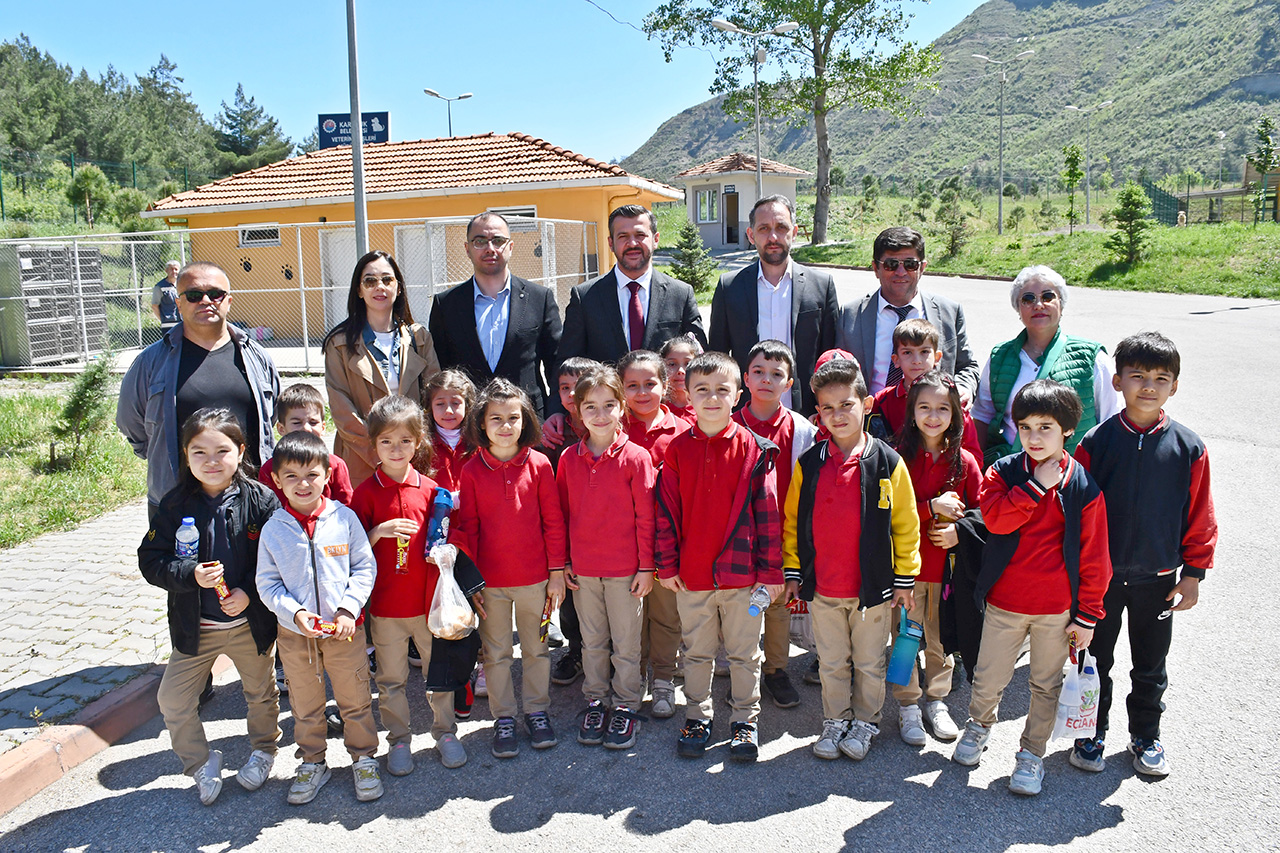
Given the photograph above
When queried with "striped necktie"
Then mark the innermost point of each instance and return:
(895, 372)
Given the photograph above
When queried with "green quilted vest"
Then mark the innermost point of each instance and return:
(1068, 360)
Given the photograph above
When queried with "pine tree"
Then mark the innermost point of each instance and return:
(1131, 217)
(250, 136)
(1072, 175)
(693, 263)
(90, 188)
(89, 408)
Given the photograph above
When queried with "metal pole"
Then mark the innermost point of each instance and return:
(137, 292)
(755, 68)
(302, 293)
(1000, 188)
(75, 214)
(448, 109)
(84, 328)
(357, 136)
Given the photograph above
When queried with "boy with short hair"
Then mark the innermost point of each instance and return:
(315, 566)
(850, 488)
(1045, 569)
(716, 471)
(301, 407)
(770, 373)
(916, 350)
(1154, 473)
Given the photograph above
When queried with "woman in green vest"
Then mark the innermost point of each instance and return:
(1041, 351)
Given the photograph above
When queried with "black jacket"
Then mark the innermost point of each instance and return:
(593, 321)
(159, 565)
(959, 618)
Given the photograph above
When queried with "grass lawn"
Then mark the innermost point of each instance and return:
(37, 498)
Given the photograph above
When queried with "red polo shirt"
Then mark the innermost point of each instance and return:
(781, 430)
(684, 413)
(448, 461)
(656, 438)
(931, 477)
(837, 526)
(608, 506)
(404, 590)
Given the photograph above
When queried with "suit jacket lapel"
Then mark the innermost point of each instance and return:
(361, 363)
(612, 311)
(466, 320)
(871, 316)
(657, 295)
(798, 283)
(516, 304)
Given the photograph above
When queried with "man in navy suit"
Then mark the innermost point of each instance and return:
(495, 323)
(776, 298)
(866, 324)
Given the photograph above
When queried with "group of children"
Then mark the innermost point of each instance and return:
(684, 523)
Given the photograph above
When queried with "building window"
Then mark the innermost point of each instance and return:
(709, 205)
(518, 218)
(254, 236)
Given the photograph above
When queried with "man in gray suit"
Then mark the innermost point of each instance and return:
(776, 298)
(866, 324)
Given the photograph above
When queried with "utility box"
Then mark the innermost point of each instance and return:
(52, 307)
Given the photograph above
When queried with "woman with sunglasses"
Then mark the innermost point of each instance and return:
(1041, 351)
(378, 350)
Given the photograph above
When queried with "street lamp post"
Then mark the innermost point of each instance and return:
(721, 24)
(1000, 189)
(448, 102)
(1087, 169)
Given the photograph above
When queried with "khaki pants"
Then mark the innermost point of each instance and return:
(306, 662)
(850, 643)
(391, 641)
(184, 680)
(705, 617)
(660, 633)
(609, 614)
(777, 636)
(938, 665)
(1002, 636)
(495, 633)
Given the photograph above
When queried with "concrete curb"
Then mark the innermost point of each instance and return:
(35, 765)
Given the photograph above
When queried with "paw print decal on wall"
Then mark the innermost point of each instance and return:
(287, 271)
(248, 266)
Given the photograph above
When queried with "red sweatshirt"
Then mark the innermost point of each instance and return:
(406, 582)
(510, 522)
(891, 404)
(781, 430)
(338, 488)
(656, 438)
(608, 506)
(448, 462)
(930, 476)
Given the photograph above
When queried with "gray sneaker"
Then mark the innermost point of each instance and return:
(857, 739)
(911, 726)
(368, 782)
(256, 770)
(828, 745)
(400, 760)
(1148, 757)
(1028, 773)
(452, 753)
(974, 740)
(308, 782)
(208, 778)
(664, 699)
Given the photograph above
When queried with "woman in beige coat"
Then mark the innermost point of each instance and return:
(378, 348)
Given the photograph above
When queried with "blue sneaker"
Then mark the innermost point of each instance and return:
(694, 738)
(1148, 757)
(1087, 755)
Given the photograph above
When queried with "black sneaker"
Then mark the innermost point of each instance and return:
(567, 670)
(623, 726)
(778, 685)
(594, 721)
(540, 732)
(462, 701)
(743, 745)
(694, 738)
(415, 659)
(505, 744)
(206, 695)
(333, 721)
(811, 675)
(282, 683)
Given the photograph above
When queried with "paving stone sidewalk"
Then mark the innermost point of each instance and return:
(78, 621)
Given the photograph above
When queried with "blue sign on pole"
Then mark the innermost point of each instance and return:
(335, 128)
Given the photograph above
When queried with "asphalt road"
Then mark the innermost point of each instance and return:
(1221, 730)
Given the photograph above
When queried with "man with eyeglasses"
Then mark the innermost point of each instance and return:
(201, 362)
(495, 323)
(866, 324)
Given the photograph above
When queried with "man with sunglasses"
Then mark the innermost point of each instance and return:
(866, 324)
(202, 361)
(497, 324)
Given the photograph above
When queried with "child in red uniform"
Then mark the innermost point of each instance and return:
(718, 541)
(946, 477)
(606, 489)
(651, 425)
(771, 369)
(1045, 570)
(676, 354)
(301, 407)
(394, 505)
(511, 525)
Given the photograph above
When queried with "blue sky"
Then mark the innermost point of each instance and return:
(558, 69)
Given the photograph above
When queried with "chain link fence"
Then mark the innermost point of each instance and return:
(64, 300)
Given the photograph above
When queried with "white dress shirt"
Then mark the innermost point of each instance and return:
(773, 313)
(624, 301)
(1106, 400)
(886, 321)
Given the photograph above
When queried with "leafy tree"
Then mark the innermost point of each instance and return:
(1072, 175)
(845, 53)
(90, 188)
(1130, 215)
(952, 218)
(89, 408)
(125, 206)
(838, 177)
(250, 136)
(1014, 220)
(1264, 159)
(1047, 216)
(693, 264)
(1011, 191)
(870, 197)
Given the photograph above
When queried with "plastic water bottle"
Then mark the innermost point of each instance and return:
(438, 526)
(760, 600)
(186, 542)
(902, 664)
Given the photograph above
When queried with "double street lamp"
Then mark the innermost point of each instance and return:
(448, 104)
(781, 29)
(1087, 169)
(1000, 190)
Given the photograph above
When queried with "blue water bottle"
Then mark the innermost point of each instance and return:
(902, 664)
(438, 525)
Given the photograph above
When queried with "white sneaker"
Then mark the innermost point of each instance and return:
(828, 745)
(939, 718)
(664, 699)
(208, 778)
(368, 782)
(256, 771)
(1028, 773)
(910, 726)
(308, 782)
(481, 689)
(972, 743)
(857, 739)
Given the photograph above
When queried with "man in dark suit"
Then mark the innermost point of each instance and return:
(866, 324)
(496, 324)
(776, 298)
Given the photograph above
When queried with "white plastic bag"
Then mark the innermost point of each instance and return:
(451, 616)
(801, 625)
(1078, 702)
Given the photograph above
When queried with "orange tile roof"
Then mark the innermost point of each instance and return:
(743, 163)
(410, 167)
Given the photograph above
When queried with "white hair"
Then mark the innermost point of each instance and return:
(1041, 273)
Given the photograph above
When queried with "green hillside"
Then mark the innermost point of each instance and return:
(1178, 73)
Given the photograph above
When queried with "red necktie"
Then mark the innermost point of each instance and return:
(635, 316)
